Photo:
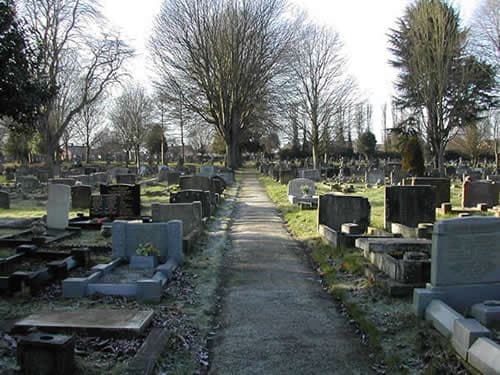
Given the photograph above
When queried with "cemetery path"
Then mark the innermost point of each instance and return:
(275, 317)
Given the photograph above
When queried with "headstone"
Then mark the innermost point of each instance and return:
(173, 178)
(475, 192)
(4, 200)
(62, 181)
(374, 176)
(166, 237)
(465, 267)
(195, 183)
(208, 171)
(58, 206)
(189, 213)
(104, 205)
(409, 205)
(312, 174)
(128, 179)
(189, 196)
(227, 174)
(218, 185)
(337, 209)
(296, 188)
(27, 183)
(442, 186)
(286, 175)
(130, 199)
(163, 173)
(80, 196)
(83, 179)
(100, 178)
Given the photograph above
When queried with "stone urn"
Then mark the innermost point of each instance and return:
(38, 228)
(106, 231)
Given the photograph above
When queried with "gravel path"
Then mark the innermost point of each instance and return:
(275, 317)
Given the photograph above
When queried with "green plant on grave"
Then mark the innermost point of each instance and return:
(305, 189)
(147, 249)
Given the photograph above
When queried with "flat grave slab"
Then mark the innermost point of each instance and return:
(97, 322)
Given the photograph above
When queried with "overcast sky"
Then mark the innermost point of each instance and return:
(362, 24)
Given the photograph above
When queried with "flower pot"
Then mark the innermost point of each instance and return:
(143, 261)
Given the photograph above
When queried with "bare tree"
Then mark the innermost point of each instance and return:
(89, 124)
(485, 32)
(70, 54)
(319, 67)
(131, 114)
(222, 54)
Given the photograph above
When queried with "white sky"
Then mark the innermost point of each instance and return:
(362, 24)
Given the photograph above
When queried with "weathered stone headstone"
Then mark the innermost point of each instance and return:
(218, 184)
(296, 188)
(465, 267)
(27, 183)
(80, 196)
(130, 198)
(441, 184)
(63, 181)
(337, 209)
(100, 178)
(104, 205)
(312, 174)
(374, 176)
(475, 192)
(4, 200)
(128, 179)
(189, 196)
(208, 171)
(409, 205)
(58, 206)
(189, 213)
(195, 183)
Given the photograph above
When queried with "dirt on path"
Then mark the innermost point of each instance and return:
(275, 317)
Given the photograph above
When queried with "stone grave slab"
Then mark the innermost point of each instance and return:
(99, 322)
(4, 200)
(80, 196)
(295, 189)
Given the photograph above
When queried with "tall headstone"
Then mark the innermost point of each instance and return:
(4, 200)
(105, 205)
(58, 206)
(128, 179)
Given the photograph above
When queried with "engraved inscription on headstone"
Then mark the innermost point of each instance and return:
(106, 205)
(130, 198)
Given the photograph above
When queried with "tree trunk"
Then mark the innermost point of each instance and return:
(137, 158)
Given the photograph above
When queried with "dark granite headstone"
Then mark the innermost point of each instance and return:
(106, 205)
(80, 196)
(442, 185)
(4, 199)
(130, 198)
(409, 205)
(128, 179)
(337, 209)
